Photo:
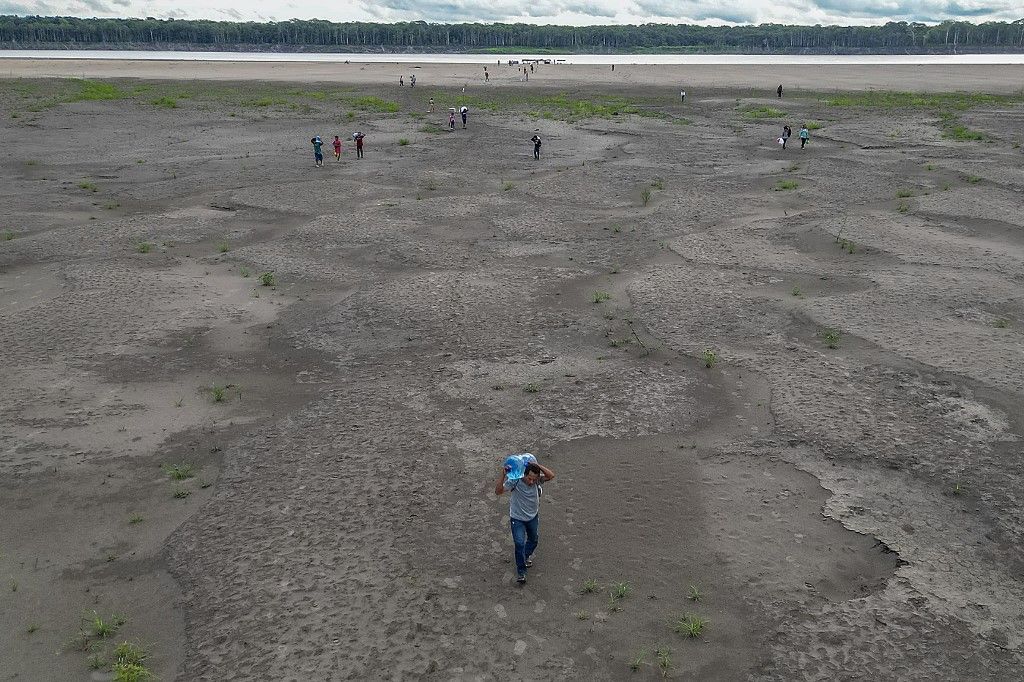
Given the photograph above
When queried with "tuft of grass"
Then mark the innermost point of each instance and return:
(796, 291)
(783, 185)
(582, 615)
(268, 279)
(531, 388)
(903, 207)
(962, 133)
(710, 358)
(135, 519)
(1001, 323)
(690, 625)
(638, 661)
(617, 229)
(96, 662)
(973, 179)
(664, 656)
(813, 125)
(31, 629)
(645, 195)
(165, 102)
(763, 112)
(694, 593)
(620, 591)
(658, 183)
(132, 672)
(830, 337)
(244, 271)
(88, 186)
(101, 628)
(130, 653)
(143, 247)
(589, 586)
(178, 472)
(929, 167)
(958, 489)
(402, 141)
(6, 235)
(506, 186)
(223, 247)
(217, 393)
(180, 493)
(903, 193)
(602, 296)
(846, 245)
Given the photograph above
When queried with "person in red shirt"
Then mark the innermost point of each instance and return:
(337, 148)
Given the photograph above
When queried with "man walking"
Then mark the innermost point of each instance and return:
(779, 91)
(465, 113)
(524, 488)
(536, 146)
(805, 135)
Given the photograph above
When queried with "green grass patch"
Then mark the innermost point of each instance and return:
(370, 103)
(763, 113)
(783, 185)
(886, 99)
(165, 102)
(403, 141)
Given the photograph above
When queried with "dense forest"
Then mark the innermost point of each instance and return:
(296, 35)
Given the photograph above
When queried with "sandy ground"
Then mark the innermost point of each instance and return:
(844, 513)
(918, 78)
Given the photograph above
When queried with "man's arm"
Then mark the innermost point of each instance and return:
(500, 488)
(549, 475)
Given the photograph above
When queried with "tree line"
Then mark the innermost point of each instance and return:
(893, 37)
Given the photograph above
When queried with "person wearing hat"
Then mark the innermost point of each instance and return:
(522, 477)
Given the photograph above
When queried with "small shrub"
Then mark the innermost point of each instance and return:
(531, 388)
(129, 653)
(143, 247)
(638, 661)
(602, 296)
(710, 358)
(645, 196)
(135, 519)
(217, 393)
(617, 229)
(903, 207)
(102, 628)
(903, 193)
(506, 186)
(690, 625)
(180, 493)
(178, 472)
(6, 235)
(830, 337)
(658, 183)
(582, 615)
(796, 291)
(96, 662)
(88, 186)
(31, 629)
(783, 185)
(694, 594)
(403, 141)
(245, 272)
(589, 586)
(267, 279)
(223, 247)
(1001, 323)
(620, 591)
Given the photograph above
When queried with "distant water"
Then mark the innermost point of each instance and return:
(462, 58)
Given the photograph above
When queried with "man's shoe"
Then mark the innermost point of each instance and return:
(529, 561)
(521, 579)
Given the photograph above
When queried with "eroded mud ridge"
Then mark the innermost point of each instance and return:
(257, 408)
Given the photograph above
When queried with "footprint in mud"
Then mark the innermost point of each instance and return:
(500, 611)
(520, 648)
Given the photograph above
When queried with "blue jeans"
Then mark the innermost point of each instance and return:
(525, 534)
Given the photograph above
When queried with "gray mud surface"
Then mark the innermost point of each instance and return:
(846, 512)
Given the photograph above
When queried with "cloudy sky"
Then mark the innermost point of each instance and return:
(540, 11)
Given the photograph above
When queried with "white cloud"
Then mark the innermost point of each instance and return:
(540, 11)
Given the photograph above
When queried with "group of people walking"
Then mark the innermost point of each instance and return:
(787, 132)
(318, 148)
